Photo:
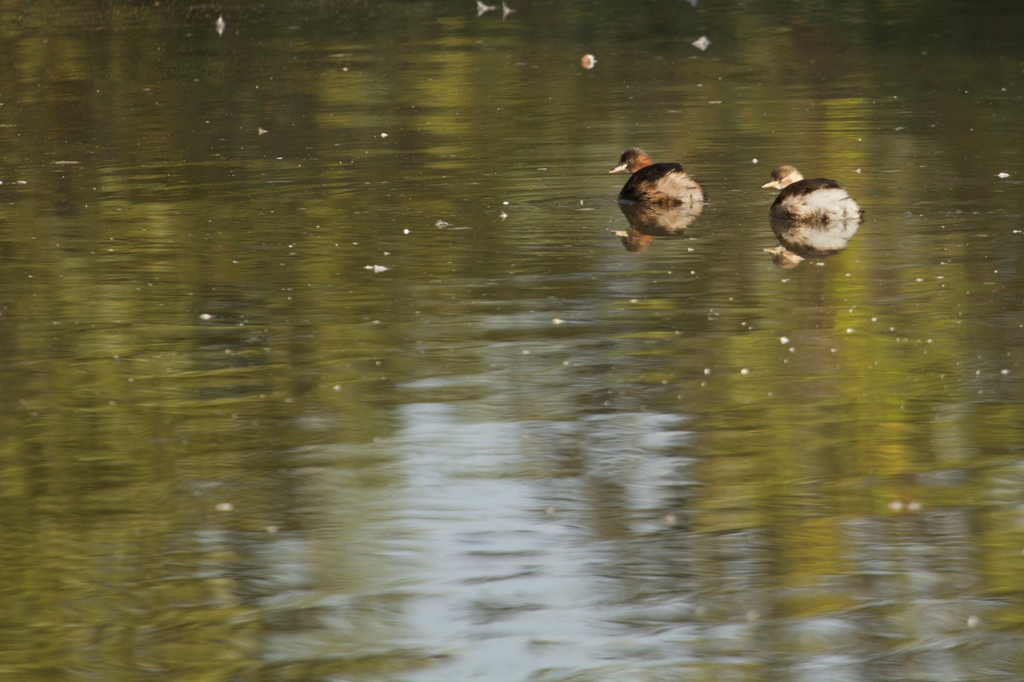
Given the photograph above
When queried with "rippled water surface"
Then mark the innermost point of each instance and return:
(328, 353)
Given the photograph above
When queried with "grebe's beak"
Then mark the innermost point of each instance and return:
(620, 167)
(774, 184)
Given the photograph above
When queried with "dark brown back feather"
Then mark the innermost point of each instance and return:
(802, 187)
(644, 185)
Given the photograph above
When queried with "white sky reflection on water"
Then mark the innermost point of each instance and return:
(507, 567)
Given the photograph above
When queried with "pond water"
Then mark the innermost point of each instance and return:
(328, 353)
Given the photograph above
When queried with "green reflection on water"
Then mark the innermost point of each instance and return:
(202, 467)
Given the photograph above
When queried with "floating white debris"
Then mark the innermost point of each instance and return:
(503, 215)
(972, 621)
(753, 160)
(707, 370)
(701, 43)
(482, 9)
(221, 25)
(225, 506)
(377, 268)
(783, 340)
(440, 223)
(506, 10)
(744, 371)
(1004, 371)
(588, 61)
(261, 131)
(383, 134)
(558, 320)
(1003, 175)
(849, 330)
(504, 203)
(206, 316)
(337, 387)
(405, 231)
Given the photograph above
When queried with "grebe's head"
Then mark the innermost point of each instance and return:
(633, 159)
(783, 176)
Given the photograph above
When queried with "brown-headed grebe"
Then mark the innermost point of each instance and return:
(656, 183)
(814, 200)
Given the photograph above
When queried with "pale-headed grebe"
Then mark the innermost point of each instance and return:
(813, 200)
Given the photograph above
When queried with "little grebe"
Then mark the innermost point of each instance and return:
(814, 200)
(656, 183)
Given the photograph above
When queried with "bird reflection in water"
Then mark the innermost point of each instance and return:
(647, 221)
(800, 239)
